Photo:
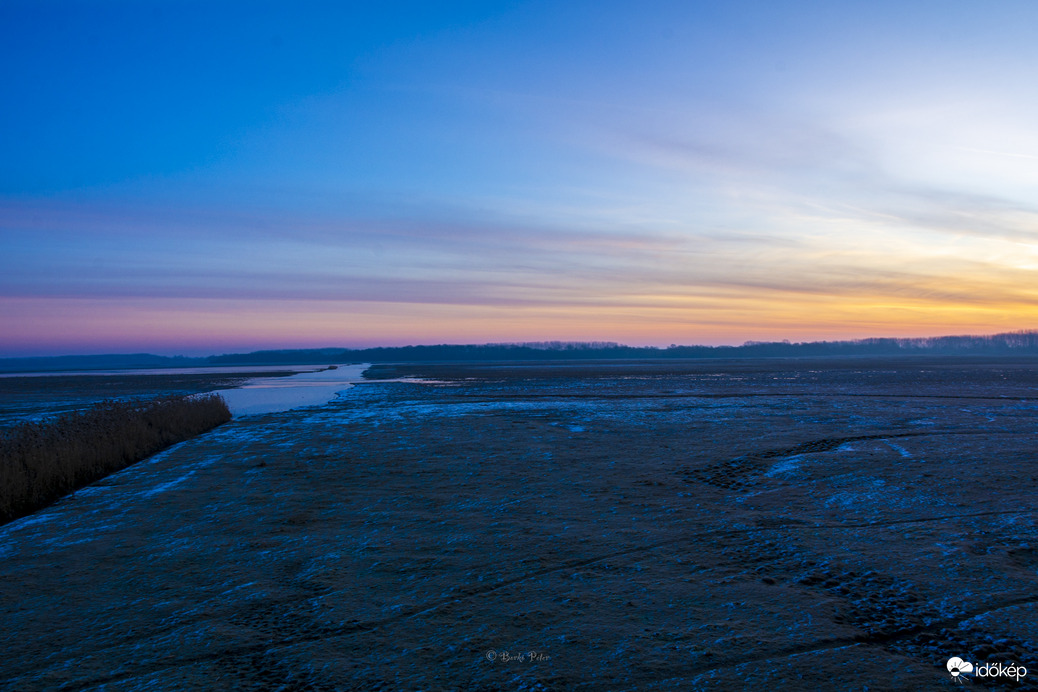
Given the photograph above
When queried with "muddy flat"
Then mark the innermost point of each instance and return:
(839, 524)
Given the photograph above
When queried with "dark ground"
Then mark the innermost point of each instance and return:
(790, 525)
(23, 398)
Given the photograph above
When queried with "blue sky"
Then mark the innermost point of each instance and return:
(202, 177)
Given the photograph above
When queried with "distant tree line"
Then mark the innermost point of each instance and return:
(1018, 343)
(1010, 343)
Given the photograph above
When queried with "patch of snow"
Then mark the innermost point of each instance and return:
(163, 487)
(905, 454)
(788, 465)
(29, 521)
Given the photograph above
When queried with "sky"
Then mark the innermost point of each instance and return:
(206, 177)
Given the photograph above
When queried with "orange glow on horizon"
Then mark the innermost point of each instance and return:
(213, 326)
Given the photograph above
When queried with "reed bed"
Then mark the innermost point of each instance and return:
(41, 462)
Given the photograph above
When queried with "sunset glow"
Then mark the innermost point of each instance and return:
(195, 179)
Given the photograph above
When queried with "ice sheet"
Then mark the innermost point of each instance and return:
(274, 394)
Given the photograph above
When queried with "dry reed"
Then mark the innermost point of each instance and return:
(41, 462)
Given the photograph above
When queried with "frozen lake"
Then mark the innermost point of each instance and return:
(787, 524)
(274, 394)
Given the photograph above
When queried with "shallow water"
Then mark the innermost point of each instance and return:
(275, 394)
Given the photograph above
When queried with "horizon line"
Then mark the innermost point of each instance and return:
(539, 345)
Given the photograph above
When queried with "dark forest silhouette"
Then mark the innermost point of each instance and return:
(1006, 344)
